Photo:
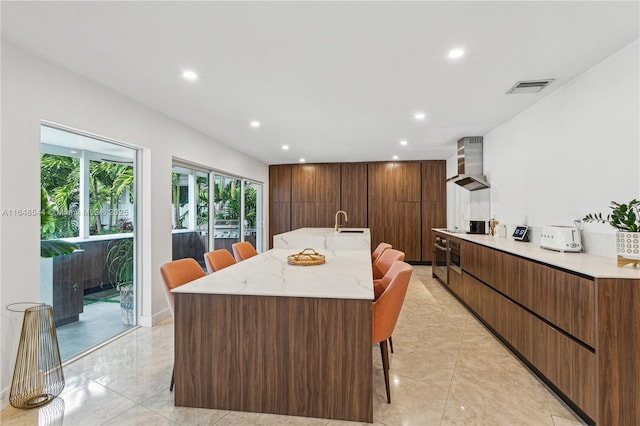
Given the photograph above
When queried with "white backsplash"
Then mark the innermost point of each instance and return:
(596, 243)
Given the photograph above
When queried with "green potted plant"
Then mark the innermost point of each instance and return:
(626, 219)
(120, 258)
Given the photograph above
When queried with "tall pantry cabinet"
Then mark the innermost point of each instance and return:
(399, 201)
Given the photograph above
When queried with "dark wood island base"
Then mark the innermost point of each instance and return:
(280, 355)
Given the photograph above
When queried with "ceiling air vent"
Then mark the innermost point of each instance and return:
(530, 86)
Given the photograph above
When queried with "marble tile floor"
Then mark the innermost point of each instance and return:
(447, 370)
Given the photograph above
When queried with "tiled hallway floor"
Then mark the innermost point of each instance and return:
(447, 370)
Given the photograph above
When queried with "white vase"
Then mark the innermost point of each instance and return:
(628, 248)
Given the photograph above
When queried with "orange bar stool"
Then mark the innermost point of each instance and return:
(378, 251)
(380, 285)
(175, 274)
(218, 259)
(385, 312)
(384, 262)
(243, 251)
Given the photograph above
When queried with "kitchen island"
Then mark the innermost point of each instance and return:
(324, 238)
(571, 317)
(266, 336)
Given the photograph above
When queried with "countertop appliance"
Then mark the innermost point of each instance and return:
(440, 257)
(561, 238)
(477, 227)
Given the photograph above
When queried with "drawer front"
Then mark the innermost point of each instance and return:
(566, 300)
(478, 261)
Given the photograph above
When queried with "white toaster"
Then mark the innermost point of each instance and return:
(561, 238)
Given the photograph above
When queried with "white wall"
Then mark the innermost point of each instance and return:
(33, 90)
(571, 153)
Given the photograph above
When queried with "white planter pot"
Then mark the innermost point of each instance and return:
(127, 301)
(628, 248)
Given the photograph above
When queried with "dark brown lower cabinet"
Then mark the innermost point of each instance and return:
(581, 334)
(569, 365)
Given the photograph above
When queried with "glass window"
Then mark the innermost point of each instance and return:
(190, 213)
(227, 203)
(60, 181)
(110, 198)
(232, 204)
(253, 214)
(179, 197)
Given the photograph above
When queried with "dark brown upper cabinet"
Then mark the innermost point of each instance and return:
(315, 195)
(279, 200)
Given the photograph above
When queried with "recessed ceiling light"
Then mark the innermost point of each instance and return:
(456, 53)
(302, 160)
(285, 147)
(419, 115)
(395, 157)
(189, 75)
(255, 124)
(403, 142)
(73, 152)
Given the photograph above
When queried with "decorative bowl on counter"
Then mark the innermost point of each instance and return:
(307, 257)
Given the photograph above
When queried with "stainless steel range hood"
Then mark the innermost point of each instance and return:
(470, 164)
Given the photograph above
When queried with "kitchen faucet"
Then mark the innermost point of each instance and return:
(345, 218)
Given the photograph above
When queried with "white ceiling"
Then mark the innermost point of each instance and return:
(336, 81)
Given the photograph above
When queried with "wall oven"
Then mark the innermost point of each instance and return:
(454, 256)
(439, 265)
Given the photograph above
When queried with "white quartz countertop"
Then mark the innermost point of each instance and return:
(346, 274)
(582, 263)
(324, 238)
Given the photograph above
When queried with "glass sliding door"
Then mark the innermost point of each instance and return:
(190, 213)
(231, 207)
(252, 222)
(227, 208)
(88, 189)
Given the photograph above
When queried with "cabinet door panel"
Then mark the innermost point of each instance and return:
(407, 181)
(394, 206)
(315, 182)
(478, 261)
(353, 193)
(280, 183)
(279, 200)
(315, 195)
(434, 181)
